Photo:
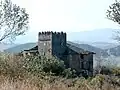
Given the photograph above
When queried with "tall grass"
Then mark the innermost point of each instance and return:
(34, 73)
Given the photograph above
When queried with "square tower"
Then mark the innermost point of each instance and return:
(52, 43)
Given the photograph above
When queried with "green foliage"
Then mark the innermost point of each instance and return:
(40, 66)
(110, 70)
(40, 71)
(37, 64)
(106, 70)
(116, 71)
(69, 73)
(54, 66)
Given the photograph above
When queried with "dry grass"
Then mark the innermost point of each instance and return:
(58, 84)
(25, 86)
(7, 84)
(13, 76)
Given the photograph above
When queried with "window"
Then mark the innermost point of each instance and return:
(82, 65)
(44, 53)
(44, 44)
(81, 56)
(49, 50)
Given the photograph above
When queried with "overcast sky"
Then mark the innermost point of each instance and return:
(66, 15)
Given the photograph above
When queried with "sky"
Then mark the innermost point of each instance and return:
(66, 15)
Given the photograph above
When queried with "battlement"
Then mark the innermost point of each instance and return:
(51, 32)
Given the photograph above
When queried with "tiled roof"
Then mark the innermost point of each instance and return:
(33, 48)
(69, 45)
(79, 50)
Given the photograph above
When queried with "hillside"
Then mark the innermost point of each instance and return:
(102, 45)
(25, 46)
(4, 46)
(20, 48)
(87, 47)
(114, 51)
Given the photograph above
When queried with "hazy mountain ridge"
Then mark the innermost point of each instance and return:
(20, 48)
(104, 52)
(91, 48)
(99, 41)
(96, 35)
(114, 51)
(4, 46)
(25, 46)
(104, 45)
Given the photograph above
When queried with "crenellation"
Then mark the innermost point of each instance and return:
(55, 43)
(61, 32)
(58, 33)
(40, 33)
(55, 32)
(51, 32)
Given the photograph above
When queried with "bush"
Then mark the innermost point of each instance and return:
(69, 73)
(116, 71)
(37, 64)
(17, 66)
(108, 70)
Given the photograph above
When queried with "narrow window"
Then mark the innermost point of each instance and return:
(82, 65)
(82, 56)
(44, 44)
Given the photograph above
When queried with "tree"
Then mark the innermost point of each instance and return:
(13, 20)
(113, 13)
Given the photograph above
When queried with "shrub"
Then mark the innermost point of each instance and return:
(37, 64)
(17, 66)
(41, 64)
(69, 73)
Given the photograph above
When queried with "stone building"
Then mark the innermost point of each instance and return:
(55, 44)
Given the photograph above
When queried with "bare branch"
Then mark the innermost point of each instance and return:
(113, 13)
(13, 20)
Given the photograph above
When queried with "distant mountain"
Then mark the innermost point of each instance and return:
(20, 47)
(26, 46)
(114, 51)
(4, 46)
(102, 45)
(104, 52)
(87, 47)
(96, 35)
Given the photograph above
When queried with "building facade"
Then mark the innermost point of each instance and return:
(55, 44)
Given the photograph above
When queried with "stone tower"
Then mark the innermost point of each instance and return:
(52, 43)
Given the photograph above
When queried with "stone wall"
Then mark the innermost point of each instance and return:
(52, 43)
(81, 63)
(89, 63)
(45, 43)
(59, 44)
